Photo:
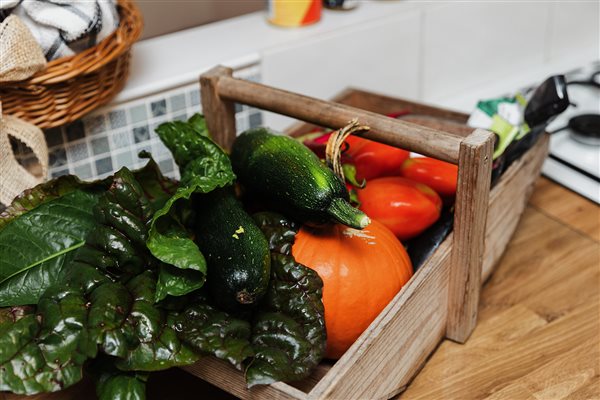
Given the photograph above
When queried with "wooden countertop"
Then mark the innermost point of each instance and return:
(538, 335)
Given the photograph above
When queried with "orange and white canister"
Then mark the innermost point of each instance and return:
(293, 13)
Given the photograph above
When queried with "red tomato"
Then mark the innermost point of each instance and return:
(374, 159)
(406, 207)
(438, 175)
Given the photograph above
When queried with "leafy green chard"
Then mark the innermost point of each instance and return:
(39, 234)
(204, 166)
(116, 274)
(114, 384)
(121, 385)
(45, 351)
(42, 230)
(211, 331)
(288, 334)
(102, 301)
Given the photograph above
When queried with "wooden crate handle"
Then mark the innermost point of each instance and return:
(219, 89)
(473, 154)
(468, 243)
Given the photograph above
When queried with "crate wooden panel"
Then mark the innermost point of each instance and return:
(441, 299)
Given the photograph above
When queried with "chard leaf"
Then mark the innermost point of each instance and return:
(280, 345)
(158, 346)
(46, 354)
(104, 228)
(43, 193)
(215, 332)
(198, 124)
(204, 166)
(36, 246)
(121, 386)
(44, 227)
(157, 187)
(86, 312)
(288, 334)
(114, 384)
(176, 282)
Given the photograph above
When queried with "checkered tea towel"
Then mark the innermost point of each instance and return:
(64, 27)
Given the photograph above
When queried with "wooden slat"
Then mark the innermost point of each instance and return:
(441, 118)
(395, 346)
(222, 374)
(383, 104)
(508, 200)
(219, 112)
(391, 131)
(472, 198)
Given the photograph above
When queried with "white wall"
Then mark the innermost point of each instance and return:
(437, 51)
(166, 16)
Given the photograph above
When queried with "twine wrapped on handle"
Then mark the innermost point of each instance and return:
(20, 57)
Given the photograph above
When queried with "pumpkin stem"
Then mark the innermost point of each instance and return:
(344, 213)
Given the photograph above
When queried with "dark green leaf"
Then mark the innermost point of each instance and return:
(297, 291)
(280, 348)
(122, 386)
(177, 282)
(35, 247)
(288, 334)
(117, 245)
(46, 354)
(48, 225)
(114, 384)
(279, 231)
(157, 187)
(45, 192)
(211, 331)
(198, 124)
(158, 346)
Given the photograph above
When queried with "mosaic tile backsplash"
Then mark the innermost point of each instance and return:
(110, 138)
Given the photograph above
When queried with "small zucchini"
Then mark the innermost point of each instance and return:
(236, 251)
(290, 176)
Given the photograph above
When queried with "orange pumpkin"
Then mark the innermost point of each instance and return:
(362, 270)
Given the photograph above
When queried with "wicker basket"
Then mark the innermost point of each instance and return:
(70, 87)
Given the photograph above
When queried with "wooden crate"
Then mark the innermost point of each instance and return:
(441, 299)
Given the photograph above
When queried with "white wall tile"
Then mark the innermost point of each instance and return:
(466, 44)
(381, 56)
(575, 30)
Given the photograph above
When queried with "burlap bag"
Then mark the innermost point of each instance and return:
(20, 57)
(13, 177)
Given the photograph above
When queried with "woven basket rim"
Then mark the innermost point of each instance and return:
(96, 57)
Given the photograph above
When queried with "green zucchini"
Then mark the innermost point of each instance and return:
(236, 251)
(289, 175)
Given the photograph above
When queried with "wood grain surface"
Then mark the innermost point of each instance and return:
(538, 335)
(395, 132)
(470, 217)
